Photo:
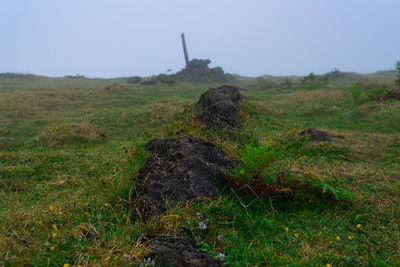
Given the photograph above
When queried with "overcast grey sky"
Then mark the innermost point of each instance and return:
(110, 38)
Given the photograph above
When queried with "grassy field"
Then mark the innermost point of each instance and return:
(69, 153)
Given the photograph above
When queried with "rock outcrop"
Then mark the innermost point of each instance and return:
(179, 170)
(220, 107)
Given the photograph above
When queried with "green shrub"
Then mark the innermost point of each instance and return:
(355, 91)
(260, 173)
(397, 81)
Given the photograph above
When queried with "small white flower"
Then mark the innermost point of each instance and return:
(198, 214)
(220, 237)
(221, 257)
(203, 225)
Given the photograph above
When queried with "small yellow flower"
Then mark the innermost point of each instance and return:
(51, 208)
(55, 227)
(286, 229)
(106, 204)
(86, 213)
(338, 238)
(329, 265)
(60, 212)
(66, 265)
(79, 202)
(57, 128)
(37, 139)
(358, 226)
(296, 235)
(52, 248)
(320, 233)
(350, 238)
(54, 236)
(124, 216)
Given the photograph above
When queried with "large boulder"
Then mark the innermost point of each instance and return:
(220, 107)
(177, 251)
(179, 169)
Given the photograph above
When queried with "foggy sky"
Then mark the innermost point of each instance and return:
(112, 38)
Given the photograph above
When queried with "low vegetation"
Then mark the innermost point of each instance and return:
(70, 152)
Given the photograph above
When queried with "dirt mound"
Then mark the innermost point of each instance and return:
(177, 251)
(151, 81)
(115, 88)
(221, 106)
(316, 135)
(179, 169)
(134, 80)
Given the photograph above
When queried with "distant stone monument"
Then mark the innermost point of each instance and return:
(198, 70)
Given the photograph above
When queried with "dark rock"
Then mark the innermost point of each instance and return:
(180, 169)
(177, 251)
(198, 70)
(221, 107)
(316, 135)
(221, 115)
(152, 81)
(134, 80)
(223, 93)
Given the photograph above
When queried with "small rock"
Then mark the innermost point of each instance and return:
(152, 81)
(134, 80)
(316, 135)
(178, 251)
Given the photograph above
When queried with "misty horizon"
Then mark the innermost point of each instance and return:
(126, 38)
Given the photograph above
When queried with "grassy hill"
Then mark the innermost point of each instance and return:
(70, 152)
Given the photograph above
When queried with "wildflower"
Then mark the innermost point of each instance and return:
(37, 139)
(54, 235)
(60, 212)
(57, 128)
(286, 229)
(124, 216)
(51, 208)
(358, 226)
(203, 225)
(350, 238)
(296, 235)
(338, 238)
(148, 262)
(329, 265)
(55, 227)
(79, 202)
(220, 237)
(86, 213)
(127, 256)
(198, 214)
(66, 265)
(320, 233)
(106, 204)
(52, 248)
(221, 257)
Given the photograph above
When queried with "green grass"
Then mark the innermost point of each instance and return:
(69, 153)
